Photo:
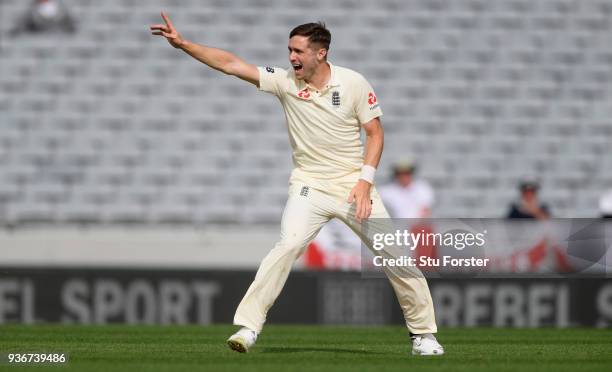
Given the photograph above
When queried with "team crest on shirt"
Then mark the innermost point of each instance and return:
(270, 69)
(336, 99)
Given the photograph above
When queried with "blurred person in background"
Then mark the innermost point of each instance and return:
(411, 198)
(407, 196)
(529, 206)
(45, 16)
(605, 204)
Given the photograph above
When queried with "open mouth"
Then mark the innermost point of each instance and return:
(297, 67)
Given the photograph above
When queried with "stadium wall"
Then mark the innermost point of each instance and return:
(237, 247)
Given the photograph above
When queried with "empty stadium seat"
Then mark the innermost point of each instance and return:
(100, 128)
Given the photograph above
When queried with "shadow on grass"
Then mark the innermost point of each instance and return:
(289, 349)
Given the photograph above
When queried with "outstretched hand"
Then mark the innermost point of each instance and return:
(360, 195)
(168, 31)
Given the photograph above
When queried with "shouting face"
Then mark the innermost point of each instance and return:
(305, 57)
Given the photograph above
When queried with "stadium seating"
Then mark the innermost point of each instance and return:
(112, 125)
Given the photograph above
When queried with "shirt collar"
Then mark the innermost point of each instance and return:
(333, 80)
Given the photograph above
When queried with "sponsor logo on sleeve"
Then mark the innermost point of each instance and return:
(270, 69)
(372, 101)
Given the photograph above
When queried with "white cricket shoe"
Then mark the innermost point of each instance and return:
(242, 340)
(426, 344)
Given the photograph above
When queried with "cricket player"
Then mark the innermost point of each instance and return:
(325, 108)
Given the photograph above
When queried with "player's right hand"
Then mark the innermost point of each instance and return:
(360, 195)
(168, 31)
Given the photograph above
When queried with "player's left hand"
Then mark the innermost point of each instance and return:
(360, 195)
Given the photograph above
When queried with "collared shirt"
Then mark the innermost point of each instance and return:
(324, 125)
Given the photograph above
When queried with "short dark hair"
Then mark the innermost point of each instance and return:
(316, 33)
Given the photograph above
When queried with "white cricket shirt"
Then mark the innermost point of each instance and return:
(324, 126)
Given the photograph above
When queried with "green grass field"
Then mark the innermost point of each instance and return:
(309, 348)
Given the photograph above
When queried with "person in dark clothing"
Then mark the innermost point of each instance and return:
(529, 206)
(45, 16)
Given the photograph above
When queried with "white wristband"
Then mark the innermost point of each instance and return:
(367, 173)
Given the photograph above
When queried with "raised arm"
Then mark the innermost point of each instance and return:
(218, 59)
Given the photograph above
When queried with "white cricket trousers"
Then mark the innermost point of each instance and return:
(306, 211)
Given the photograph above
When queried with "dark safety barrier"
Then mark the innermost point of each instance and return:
(100, 296)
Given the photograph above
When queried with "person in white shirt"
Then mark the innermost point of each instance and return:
(407, 196)
(605, 204)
